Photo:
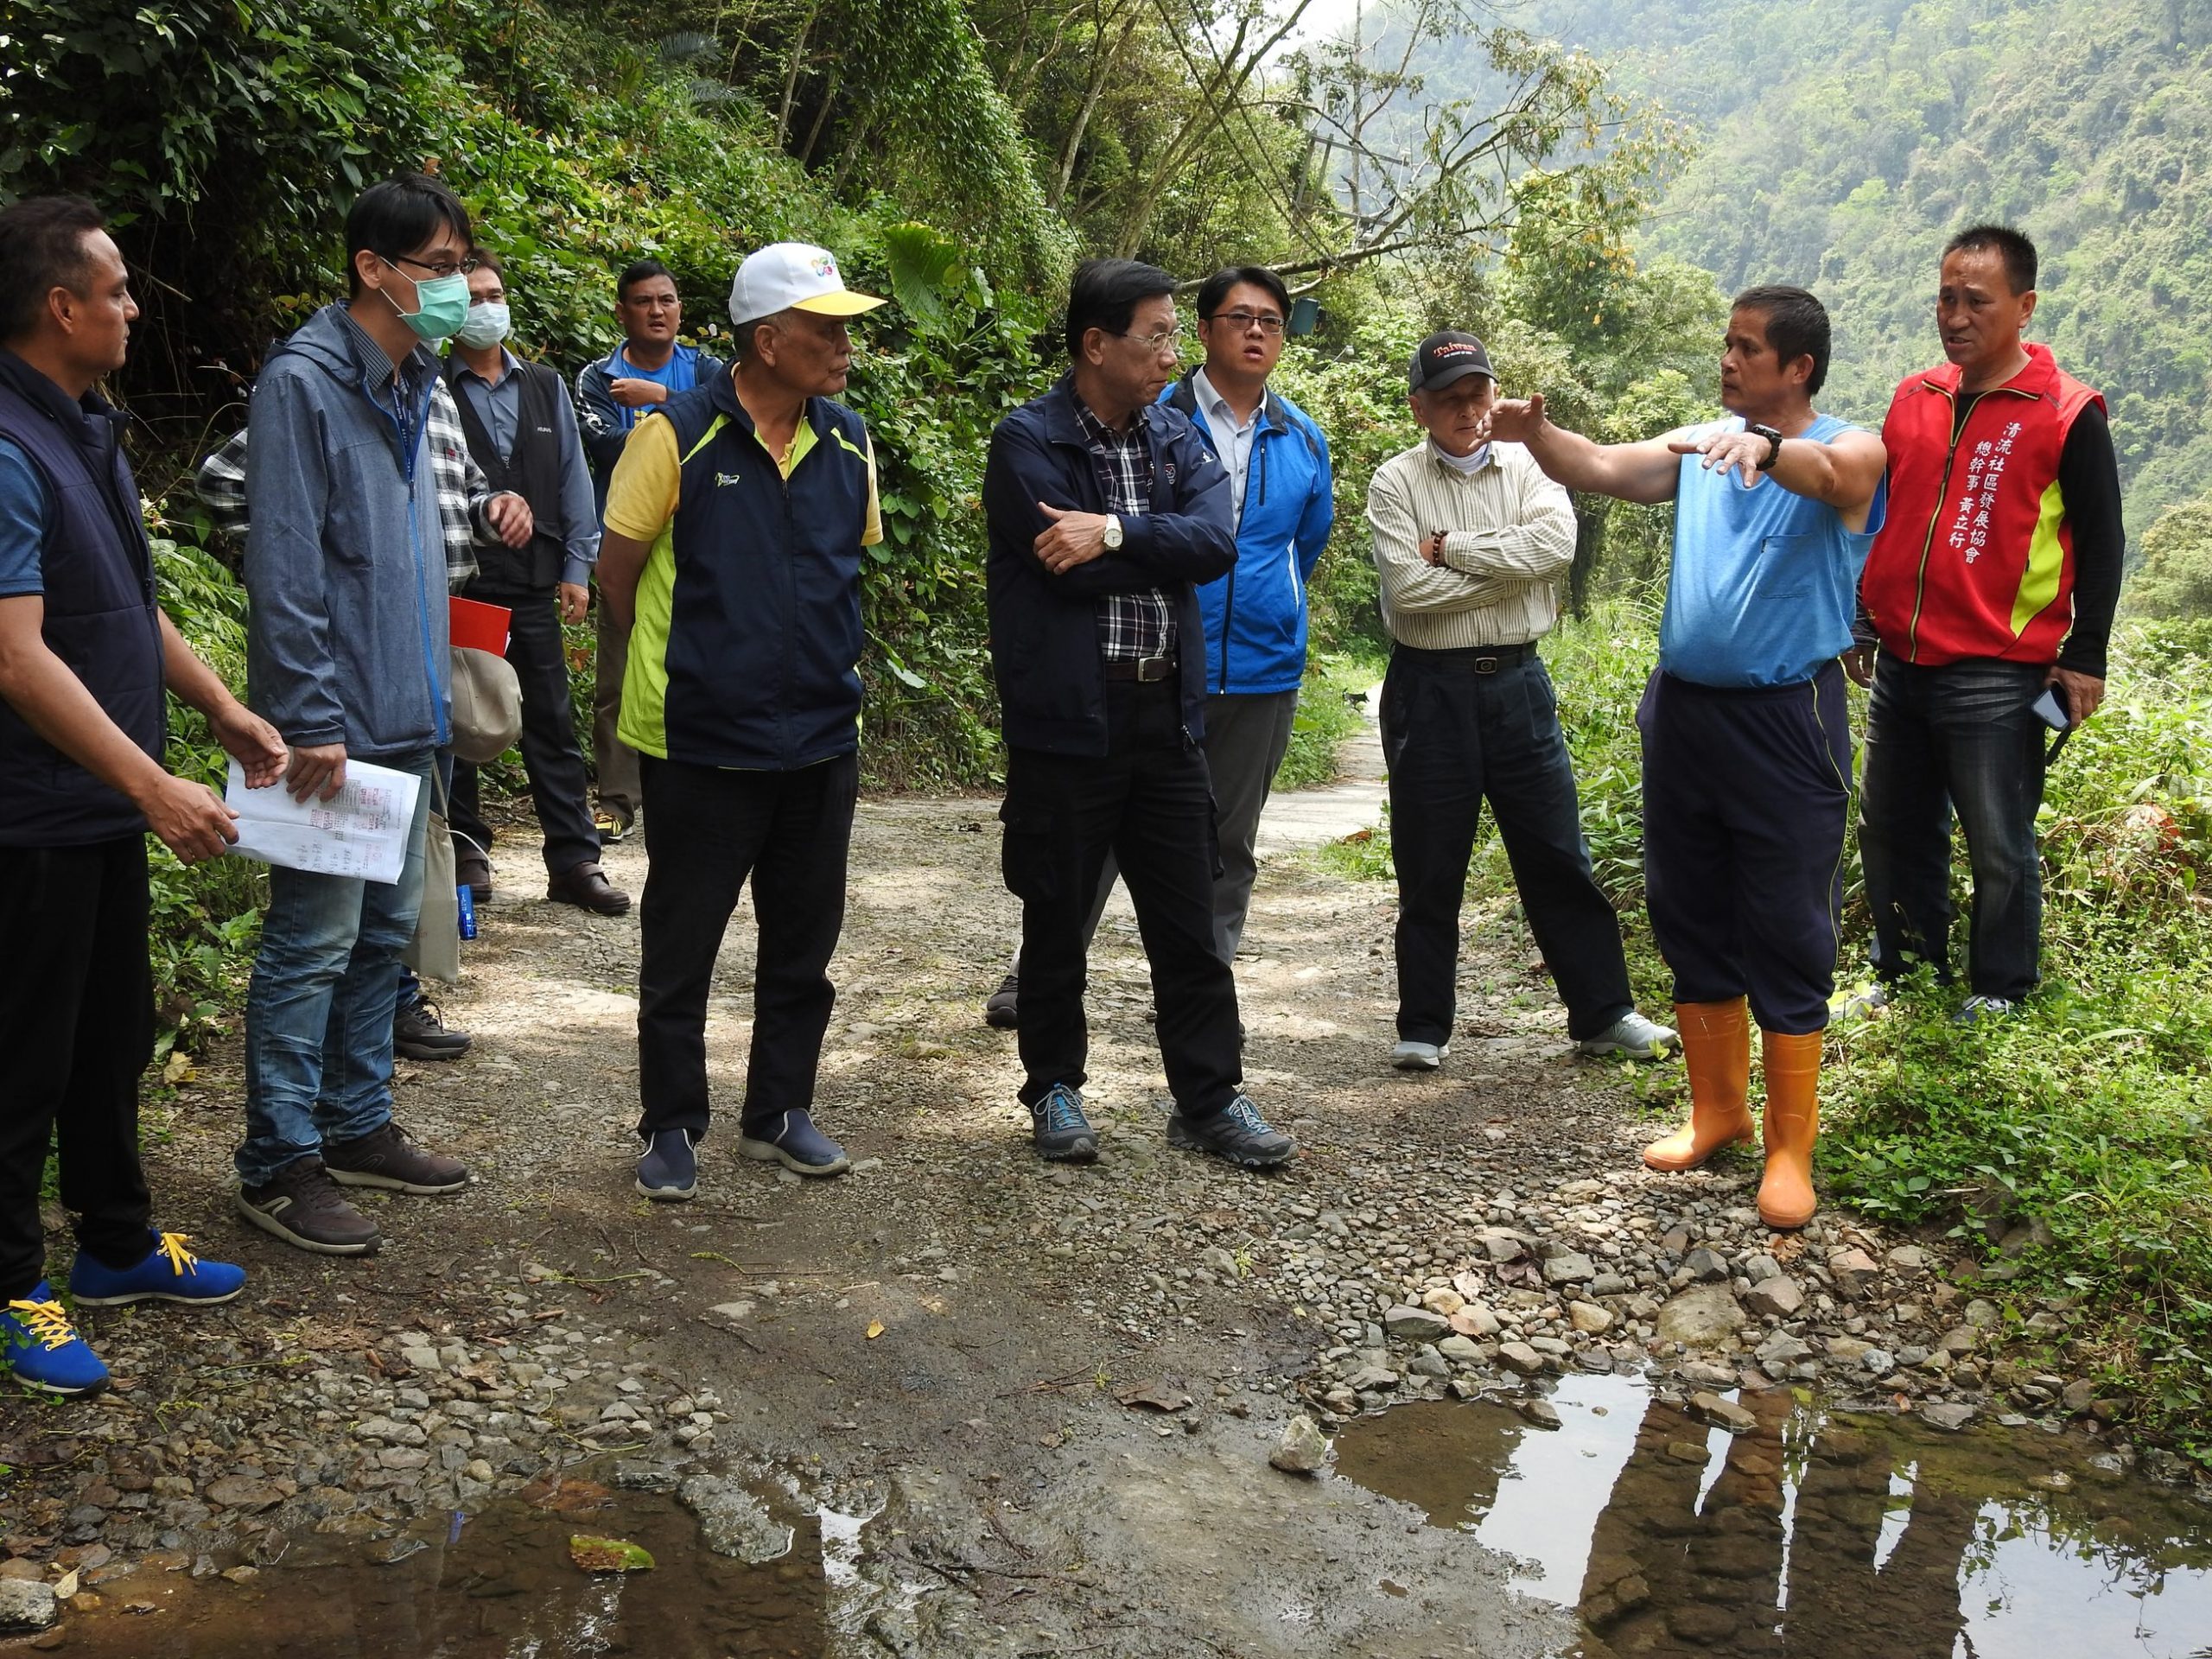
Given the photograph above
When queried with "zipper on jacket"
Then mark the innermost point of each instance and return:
(1959, 424)
(1259, 463)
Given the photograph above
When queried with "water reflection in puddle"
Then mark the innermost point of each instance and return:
(1817, 1535)
(496, 1585)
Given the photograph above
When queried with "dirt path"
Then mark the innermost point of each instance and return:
(550, 1317)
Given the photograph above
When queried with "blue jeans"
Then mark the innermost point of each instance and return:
(319, 1010)
(1962, 738)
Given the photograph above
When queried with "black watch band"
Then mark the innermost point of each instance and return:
(1773, 444)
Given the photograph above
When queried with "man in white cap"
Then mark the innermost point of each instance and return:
(734, 527)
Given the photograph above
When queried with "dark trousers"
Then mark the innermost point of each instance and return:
(1745, 796)
(707, 830)
(1147, 801)
(1962, 737)
(76, 1029)
(1457, 733)
(550, 755)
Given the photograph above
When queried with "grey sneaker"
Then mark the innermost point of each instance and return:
(1412, 1056)
(1002, 1008)
(1978, 1009)
(1237, 1133)
(1063, 1134)
(1865, 1004)
(301, 1205)
(1633, 1037)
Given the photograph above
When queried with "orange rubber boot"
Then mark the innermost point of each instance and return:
(1792, 1123)
(1717, 1054)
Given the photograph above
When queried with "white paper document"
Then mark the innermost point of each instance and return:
(361, 831)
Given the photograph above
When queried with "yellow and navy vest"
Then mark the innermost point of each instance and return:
(745, 651)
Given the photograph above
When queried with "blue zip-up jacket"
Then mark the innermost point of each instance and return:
(1256, 616)
(1045, 651)
(345, 550)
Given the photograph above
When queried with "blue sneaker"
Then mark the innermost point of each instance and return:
(668, 1170)
(170, 1273)
(1063, 1134)
(792, 1140)
(42, 1350)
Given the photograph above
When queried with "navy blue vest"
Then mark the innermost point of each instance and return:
(100, 614)
(764, 641)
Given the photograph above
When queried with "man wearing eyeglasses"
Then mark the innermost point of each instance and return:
(346, 561)
(1281, 489)
(1106, 509)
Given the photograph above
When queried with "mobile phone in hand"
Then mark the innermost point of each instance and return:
(2051, 708)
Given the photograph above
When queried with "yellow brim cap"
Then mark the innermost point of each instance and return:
(843, 303)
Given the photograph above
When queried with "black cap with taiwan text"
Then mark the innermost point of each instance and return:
(1447, 356)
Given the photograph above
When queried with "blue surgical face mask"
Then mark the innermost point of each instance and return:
(488, 325)
(441, 305)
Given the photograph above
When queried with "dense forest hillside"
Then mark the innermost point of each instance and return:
(1840, 141)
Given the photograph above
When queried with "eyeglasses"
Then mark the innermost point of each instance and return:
(1242, 321)
(441, 268)
(1166, 340)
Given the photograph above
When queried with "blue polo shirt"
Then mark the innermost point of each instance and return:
(1764, 581)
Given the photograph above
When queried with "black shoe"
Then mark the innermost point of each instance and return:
(301, 1205)
(1238, 1132)
(1002, 1009)
(1063, 1134)
(419, 1032)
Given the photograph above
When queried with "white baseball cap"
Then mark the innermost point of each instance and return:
(793, 276)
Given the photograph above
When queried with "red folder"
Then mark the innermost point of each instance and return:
(477, 626)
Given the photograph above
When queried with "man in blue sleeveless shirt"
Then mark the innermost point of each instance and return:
(1747, 740)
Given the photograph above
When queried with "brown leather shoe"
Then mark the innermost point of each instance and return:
(471, 869)
(586, 887)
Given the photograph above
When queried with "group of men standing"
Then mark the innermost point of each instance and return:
(1151, 539)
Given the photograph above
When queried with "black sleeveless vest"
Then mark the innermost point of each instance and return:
(533, 472)
(100, 614)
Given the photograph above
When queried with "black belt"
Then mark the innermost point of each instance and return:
(1142, 670)
(1477, 659)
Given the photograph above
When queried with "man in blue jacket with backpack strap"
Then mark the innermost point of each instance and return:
(1281, 490)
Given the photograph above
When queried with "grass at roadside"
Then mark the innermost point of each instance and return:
(2067, 1151)
(1326, 717)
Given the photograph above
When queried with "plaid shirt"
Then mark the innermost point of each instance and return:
(463, 491)
(1130, 626)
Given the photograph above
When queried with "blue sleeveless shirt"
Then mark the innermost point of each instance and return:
(1764, 581)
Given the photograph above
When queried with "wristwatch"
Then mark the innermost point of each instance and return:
(1113, 533)
(1773, 444)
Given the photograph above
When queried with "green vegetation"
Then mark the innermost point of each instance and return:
(1328, 713)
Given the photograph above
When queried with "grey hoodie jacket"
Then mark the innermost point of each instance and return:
(345, 553)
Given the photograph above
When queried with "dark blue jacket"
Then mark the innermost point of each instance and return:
(1256, 615)
(1045, 628)
(747, 646)
(101, 614)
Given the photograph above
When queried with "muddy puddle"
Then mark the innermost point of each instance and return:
(501, 1583)
(1819, 1534)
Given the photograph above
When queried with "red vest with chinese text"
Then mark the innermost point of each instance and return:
(1977, 557)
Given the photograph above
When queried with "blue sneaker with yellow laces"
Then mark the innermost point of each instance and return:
(168, 1273)
(42, 1350)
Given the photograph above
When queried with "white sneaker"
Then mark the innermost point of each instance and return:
(1866, 1004)
(1631, 1036)
(1984, 1007)
(1409, 1056)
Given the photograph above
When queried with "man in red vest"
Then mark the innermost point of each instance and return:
(1994, 580)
